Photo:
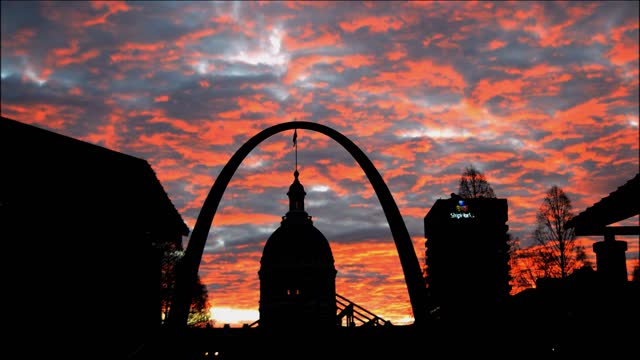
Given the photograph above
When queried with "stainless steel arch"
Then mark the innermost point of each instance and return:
(188, 271)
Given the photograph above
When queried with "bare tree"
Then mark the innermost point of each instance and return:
(527, 265)
(557, 253)
(473, 184)
(522, 275)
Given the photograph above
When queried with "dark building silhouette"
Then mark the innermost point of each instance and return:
(467, 258)
(83, 225)
(596, 220)
(297, 273)
(595, 312)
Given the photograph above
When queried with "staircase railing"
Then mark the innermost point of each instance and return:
(350, 313)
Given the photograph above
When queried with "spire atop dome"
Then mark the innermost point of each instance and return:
(296, 194)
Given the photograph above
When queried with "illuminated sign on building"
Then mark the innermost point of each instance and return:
(462, 211)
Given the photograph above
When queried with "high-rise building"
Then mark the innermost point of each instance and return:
(467, 257)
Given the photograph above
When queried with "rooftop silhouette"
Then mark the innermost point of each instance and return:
(86, 225)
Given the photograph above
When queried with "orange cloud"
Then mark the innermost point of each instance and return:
(395, 55)
(258, 105)
(27, 114)
(374, 24)
(623, 52)
(342, 171)
(63, 52)
(108, 135)
(223, 272)
(87, 55)
(426, 42)
(76, 91)
(19, 39)
(194, 36)
(352, 260)
(582, 114)
(223, 132)
(131, 46)
(496, 44)
(113, 7)
(227, 217)
(158, 116)
(61, 57)
(406, 151)
(299, 68)
(540, 70)
(311, 38)
(356, 60)
(487, 89)
(257, 180)
(423, 72)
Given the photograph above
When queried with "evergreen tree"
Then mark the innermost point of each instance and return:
(199, 311)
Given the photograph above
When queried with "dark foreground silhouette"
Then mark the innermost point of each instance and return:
(81, 280)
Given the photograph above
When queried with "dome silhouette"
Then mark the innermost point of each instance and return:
(297, 244)
(297, 273)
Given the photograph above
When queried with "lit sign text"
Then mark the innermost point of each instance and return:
(462, 211)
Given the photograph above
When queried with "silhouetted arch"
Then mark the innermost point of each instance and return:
(187, 273)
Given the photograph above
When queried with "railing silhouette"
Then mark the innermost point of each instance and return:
(349, 312)
(352, 313)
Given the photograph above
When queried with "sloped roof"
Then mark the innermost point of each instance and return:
(41, 163)
(619, 205)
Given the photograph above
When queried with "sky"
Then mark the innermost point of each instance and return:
(533, 94)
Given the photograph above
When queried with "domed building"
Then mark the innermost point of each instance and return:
(297, 273)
